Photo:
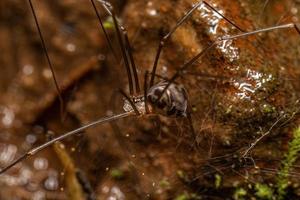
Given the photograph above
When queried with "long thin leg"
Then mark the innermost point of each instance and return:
(228, 20)
(103, 29)
(145, 92)
(108, 7)
(48, 59)
(127, 151)
(263, 10)
(122, 46)
(190, 120)
(110, 11)
(183, 19)
(133, 66)
(284, 26)
(220, 39)
(68, 134)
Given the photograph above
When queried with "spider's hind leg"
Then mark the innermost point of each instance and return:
(190, 120)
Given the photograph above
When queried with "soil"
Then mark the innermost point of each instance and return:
(238, 91)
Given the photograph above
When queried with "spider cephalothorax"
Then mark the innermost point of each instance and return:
(173, 101)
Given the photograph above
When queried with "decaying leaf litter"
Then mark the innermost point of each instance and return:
(238, 94)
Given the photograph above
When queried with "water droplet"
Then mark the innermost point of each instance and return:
(116, 194)
(152, 12)
(8, 116)
(40, 163)
(7, 153)
(10, 181)
(51, 183)
(105, 189)
(294, 10)
(30, 138)
(47, 73)
(61, 145)
(39, 195)
(71, 47)
(28, 69)
(25, 175)
(213, 18)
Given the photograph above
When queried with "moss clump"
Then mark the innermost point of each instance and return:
(263, 191)
(182, 197)
(287, 163)
(240, 194)
(164, 183)
(181, 175)
(108, 23)
(117, 174)
(218, 180)
(187, 196)
(267, 108)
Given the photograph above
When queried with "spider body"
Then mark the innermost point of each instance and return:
(172, 102)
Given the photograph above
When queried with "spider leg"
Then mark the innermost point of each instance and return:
(126, 49)
(37, 149)
(228, 20)
(179, 22)
(220, 39)
(189, 117)
(58, 90)
(103, 29)
(133, 66)
(145, 92)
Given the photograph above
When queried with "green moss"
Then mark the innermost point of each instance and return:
(218, 180)
(267, 108)
(117, 174)
(182, 197)
(182, 175)
(187, 196)
(287, 163)
(108, 23)
(263, 191)
(164, 183)
(239, 194)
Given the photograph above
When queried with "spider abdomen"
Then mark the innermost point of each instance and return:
(173, 102)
